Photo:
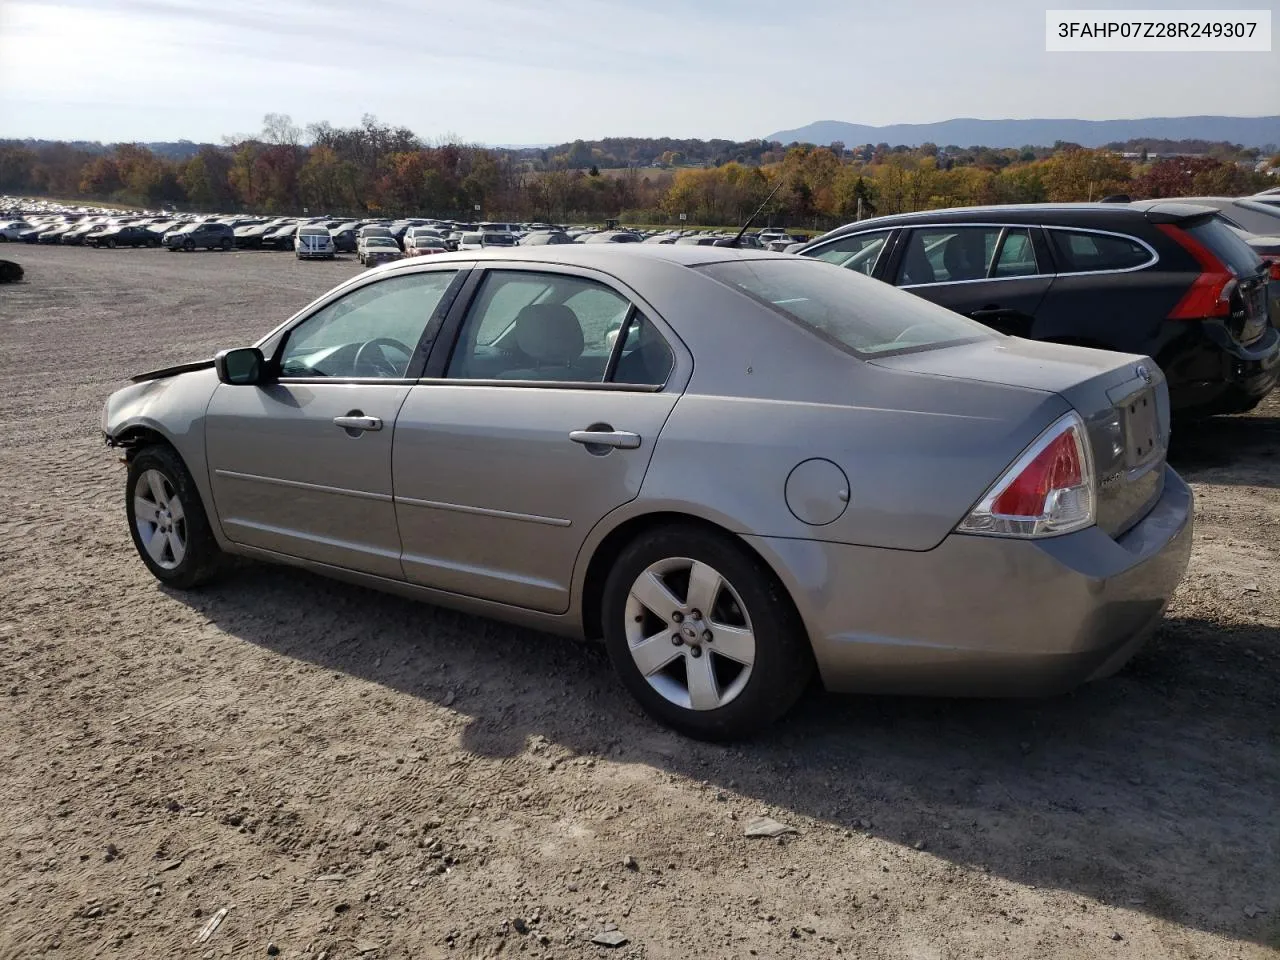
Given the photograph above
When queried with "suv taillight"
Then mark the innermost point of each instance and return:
(1210, 293)
(1049, 490)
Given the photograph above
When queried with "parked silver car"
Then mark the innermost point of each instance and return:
(734, 466)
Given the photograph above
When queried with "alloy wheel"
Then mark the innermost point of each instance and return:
(160, 519)
(689, 634)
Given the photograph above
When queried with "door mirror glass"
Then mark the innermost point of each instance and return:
(242, 366)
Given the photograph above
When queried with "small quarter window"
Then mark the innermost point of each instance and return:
(1078, 251)
(646, 357)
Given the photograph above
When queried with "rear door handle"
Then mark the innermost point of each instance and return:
(357, 421)
(993, 313)
(606, 438)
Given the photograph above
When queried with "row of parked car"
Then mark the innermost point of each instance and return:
(326, 237)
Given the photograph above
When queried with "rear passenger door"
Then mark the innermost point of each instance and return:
(538, 416)
(991, 273)
(1109, 290)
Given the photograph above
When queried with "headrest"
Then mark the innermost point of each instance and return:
(549, 333)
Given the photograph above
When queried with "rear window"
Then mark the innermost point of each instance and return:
(313, 232)
(856, 313)
(1226, 245)
(1078, 251)
(499, 240)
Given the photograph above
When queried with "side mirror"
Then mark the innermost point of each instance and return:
(243, 366)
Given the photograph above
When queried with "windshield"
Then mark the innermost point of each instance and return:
(379, 242)
(851, 311)
(313, 232)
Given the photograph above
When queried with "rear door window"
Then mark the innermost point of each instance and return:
(948, 255)
(1079, 251)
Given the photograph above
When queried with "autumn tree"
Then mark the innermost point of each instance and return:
(1078, 174)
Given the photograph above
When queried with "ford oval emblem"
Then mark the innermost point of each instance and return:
(1142, 371)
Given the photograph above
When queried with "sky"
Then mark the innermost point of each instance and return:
(549, 71)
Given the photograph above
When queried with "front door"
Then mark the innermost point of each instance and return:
(302, 465)
(542, 423)
(991, 274)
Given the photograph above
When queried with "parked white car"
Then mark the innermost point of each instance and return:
(313, 243)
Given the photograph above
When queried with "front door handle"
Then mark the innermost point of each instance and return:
(357, 422)
(606, 438)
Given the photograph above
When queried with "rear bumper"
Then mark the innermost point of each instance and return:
(1211, 373)
(987, 616)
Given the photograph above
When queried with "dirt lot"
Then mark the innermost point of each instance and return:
(353, 775)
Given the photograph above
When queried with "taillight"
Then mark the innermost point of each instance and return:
(1210, 293)
(1273, 266)
(1049, 490)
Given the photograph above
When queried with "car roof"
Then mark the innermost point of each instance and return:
(1064, 214)
(607, 257)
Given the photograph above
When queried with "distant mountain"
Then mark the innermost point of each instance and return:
(969, 132)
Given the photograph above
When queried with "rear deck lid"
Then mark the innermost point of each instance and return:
(1123, 399)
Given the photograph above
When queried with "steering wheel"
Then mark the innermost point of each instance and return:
(370, 356)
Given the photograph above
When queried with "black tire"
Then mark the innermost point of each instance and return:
(225, 245)
(111, 244)
(783, 662)
(203, 559)
(188, 246)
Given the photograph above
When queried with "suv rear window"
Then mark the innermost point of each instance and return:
(853, 312)
(1227, 246)
(1079, 251)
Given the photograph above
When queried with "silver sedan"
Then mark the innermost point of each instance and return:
(737, 468)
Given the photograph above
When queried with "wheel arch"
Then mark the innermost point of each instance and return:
(139, 436)
(610, 547)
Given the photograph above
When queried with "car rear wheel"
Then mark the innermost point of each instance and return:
(702, 634)
(225, 245)
(167, 520)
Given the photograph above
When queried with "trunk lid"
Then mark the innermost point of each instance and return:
(1123, 399)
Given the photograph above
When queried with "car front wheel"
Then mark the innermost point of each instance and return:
(702, 634)
(167, 520)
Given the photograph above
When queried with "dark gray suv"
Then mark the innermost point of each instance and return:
(211, 236)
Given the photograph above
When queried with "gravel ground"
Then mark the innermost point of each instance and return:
(348, 774)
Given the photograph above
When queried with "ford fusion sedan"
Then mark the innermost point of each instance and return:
(736, 468)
